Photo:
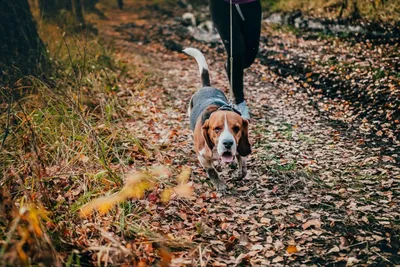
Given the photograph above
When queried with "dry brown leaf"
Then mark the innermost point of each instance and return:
(269, 254)
(265, 221)
(160, 171)
(277, 259)
(314, 222)
(83, 158)
(243, 188)
(257, 247)
(278, 245)
(333, 250)
(183, 190)
(224, 226)
(388, 159)
(343, 242)
(351, 261)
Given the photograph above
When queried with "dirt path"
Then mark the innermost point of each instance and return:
(314, 195)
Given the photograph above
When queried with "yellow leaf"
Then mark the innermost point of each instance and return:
(184, 176)
(291, 249)
(34, 221)
(135, 177)
(133, 192)
(102, 204)
(183, 190)
(105, 207)
(166, 195)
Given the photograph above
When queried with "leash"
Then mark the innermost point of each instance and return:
(231, 47)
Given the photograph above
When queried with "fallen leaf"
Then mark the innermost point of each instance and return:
(183, 190)
(314, 222)
(224, 226)
(166, 195)
(351, 261)
(166, 257)
(269, 254)
(257, 247)
(265, 221)
(343, 242)
(333, 250)
(184, 176)
(243, 188)
(277, 259)
(83, 158)
(278, 245)
(291, 249)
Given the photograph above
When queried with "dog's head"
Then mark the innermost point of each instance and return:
(228, 131)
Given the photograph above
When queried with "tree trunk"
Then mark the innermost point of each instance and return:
(22, 52)
(90, 5)
(121, 4)
(342, 8)
(355, 14)
(77, 9)
(52, 8)
(47, 8)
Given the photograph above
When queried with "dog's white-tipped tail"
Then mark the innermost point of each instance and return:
(201, 61)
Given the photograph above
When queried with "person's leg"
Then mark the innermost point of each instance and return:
(220, 13)
(251, 28)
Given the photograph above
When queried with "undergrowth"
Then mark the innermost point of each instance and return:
(374, 10)
(65, 143)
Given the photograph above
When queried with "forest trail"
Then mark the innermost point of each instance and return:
(314, 194)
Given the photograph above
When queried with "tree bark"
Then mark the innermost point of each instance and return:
(22, 52)
(90, 5)
(52, 8)
(121, 4)
(342, 8)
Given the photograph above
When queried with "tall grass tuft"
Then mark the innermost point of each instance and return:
(64, 142)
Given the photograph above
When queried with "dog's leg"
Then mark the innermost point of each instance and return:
(212, 173)
(242, 172)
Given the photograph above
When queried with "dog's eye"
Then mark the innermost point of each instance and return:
(217, 129)
(236, 129)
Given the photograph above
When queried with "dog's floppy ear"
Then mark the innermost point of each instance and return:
(244, 147)
(204, 132)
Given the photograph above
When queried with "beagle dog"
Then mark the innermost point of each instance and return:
(216, 125)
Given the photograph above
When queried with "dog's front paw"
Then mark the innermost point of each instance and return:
(220, 186)
(218, 183)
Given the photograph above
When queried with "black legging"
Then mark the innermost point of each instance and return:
(245, 37)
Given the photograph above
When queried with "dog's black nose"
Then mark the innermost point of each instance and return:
(227, 143)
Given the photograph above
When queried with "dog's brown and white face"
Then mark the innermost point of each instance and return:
(228, 132)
